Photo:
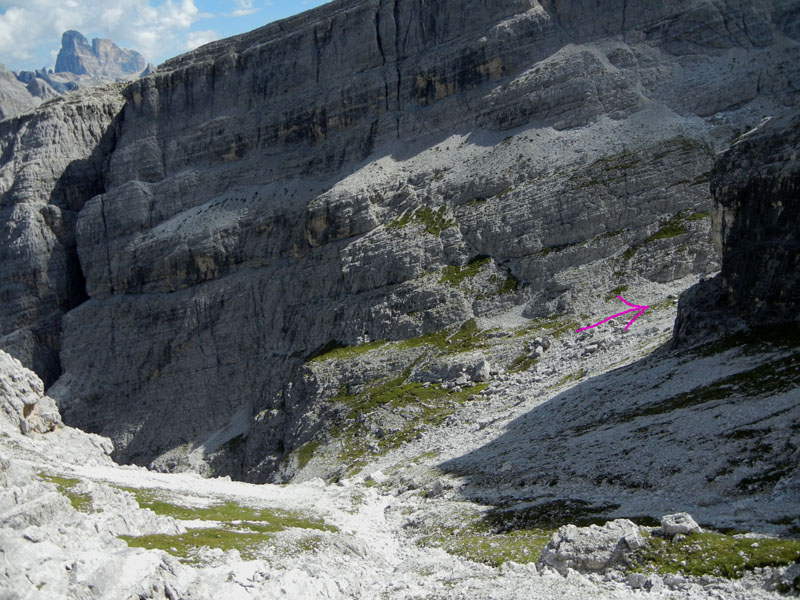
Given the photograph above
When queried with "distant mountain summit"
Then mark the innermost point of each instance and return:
(102, 58)
(79, 65)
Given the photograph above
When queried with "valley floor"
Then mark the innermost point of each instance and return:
(606, 424)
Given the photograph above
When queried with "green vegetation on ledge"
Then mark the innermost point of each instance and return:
(336, 351)
(419, 405)
(431, 220)
(507, 534)
(670, 228)
(715, 554)
(455, 275)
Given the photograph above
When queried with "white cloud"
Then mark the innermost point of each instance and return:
(153, 27)
(195, 39)
(245, 8)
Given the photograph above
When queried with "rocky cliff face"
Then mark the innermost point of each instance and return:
(52, 163)
(379, 169)
(103, 58)
(755, 188)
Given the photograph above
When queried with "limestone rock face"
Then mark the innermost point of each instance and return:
(24, 404)
(379, 170)
(755, 186)
(52, 163)
(103, 58)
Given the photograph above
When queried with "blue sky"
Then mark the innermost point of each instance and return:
(30, 30)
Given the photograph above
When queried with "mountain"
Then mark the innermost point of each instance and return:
(102, 59)
(415, 171)
(351, 252)
(79, 65)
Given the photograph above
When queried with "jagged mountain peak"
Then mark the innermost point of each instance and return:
(102, 58)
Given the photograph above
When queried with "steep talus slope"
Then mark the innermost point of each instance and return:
(320, 180)
(52, 163)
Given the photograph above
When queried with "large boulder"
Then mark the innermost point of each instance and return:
(591, 549)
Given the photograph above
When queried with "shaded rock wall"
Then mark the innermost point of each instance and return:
(51, 163)
(755, 186)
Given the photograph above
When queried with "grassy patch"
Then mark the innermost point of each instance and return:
(698, 216)
(664, 304)
(433, 221)
(186, 546)
(571, 378)
(715, 554)
(455, 275)
(522, 363)
(336, 351)
(305, 452)
(265, 520)
(468, 337)
(505, 534)
(510, 285)
(80, 502)
(554, 325)
(669, 229)
(421, 406)
(616, 292)
(630, 251)
(240, 527)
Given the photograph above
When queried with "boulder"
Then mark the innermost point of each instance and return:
(593, 548)
(679, 523)
(482, 371)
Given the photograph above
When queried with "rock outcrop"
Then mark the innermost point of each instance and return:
(755, 186)
(24, 405)
(330, 179)
(102, 58)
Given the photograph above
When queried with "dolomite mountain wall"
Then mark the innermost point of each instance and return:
(755, 186)
(308, 182)
(52, 163)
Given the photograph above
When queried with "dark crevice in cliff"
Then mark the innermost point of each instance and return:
(378, 39)
(81, 180)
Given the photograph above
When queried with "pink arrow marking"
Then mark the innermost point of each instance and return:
(634, 307)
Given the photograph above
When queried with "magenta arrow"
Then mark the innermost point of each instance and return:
(634, 307)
